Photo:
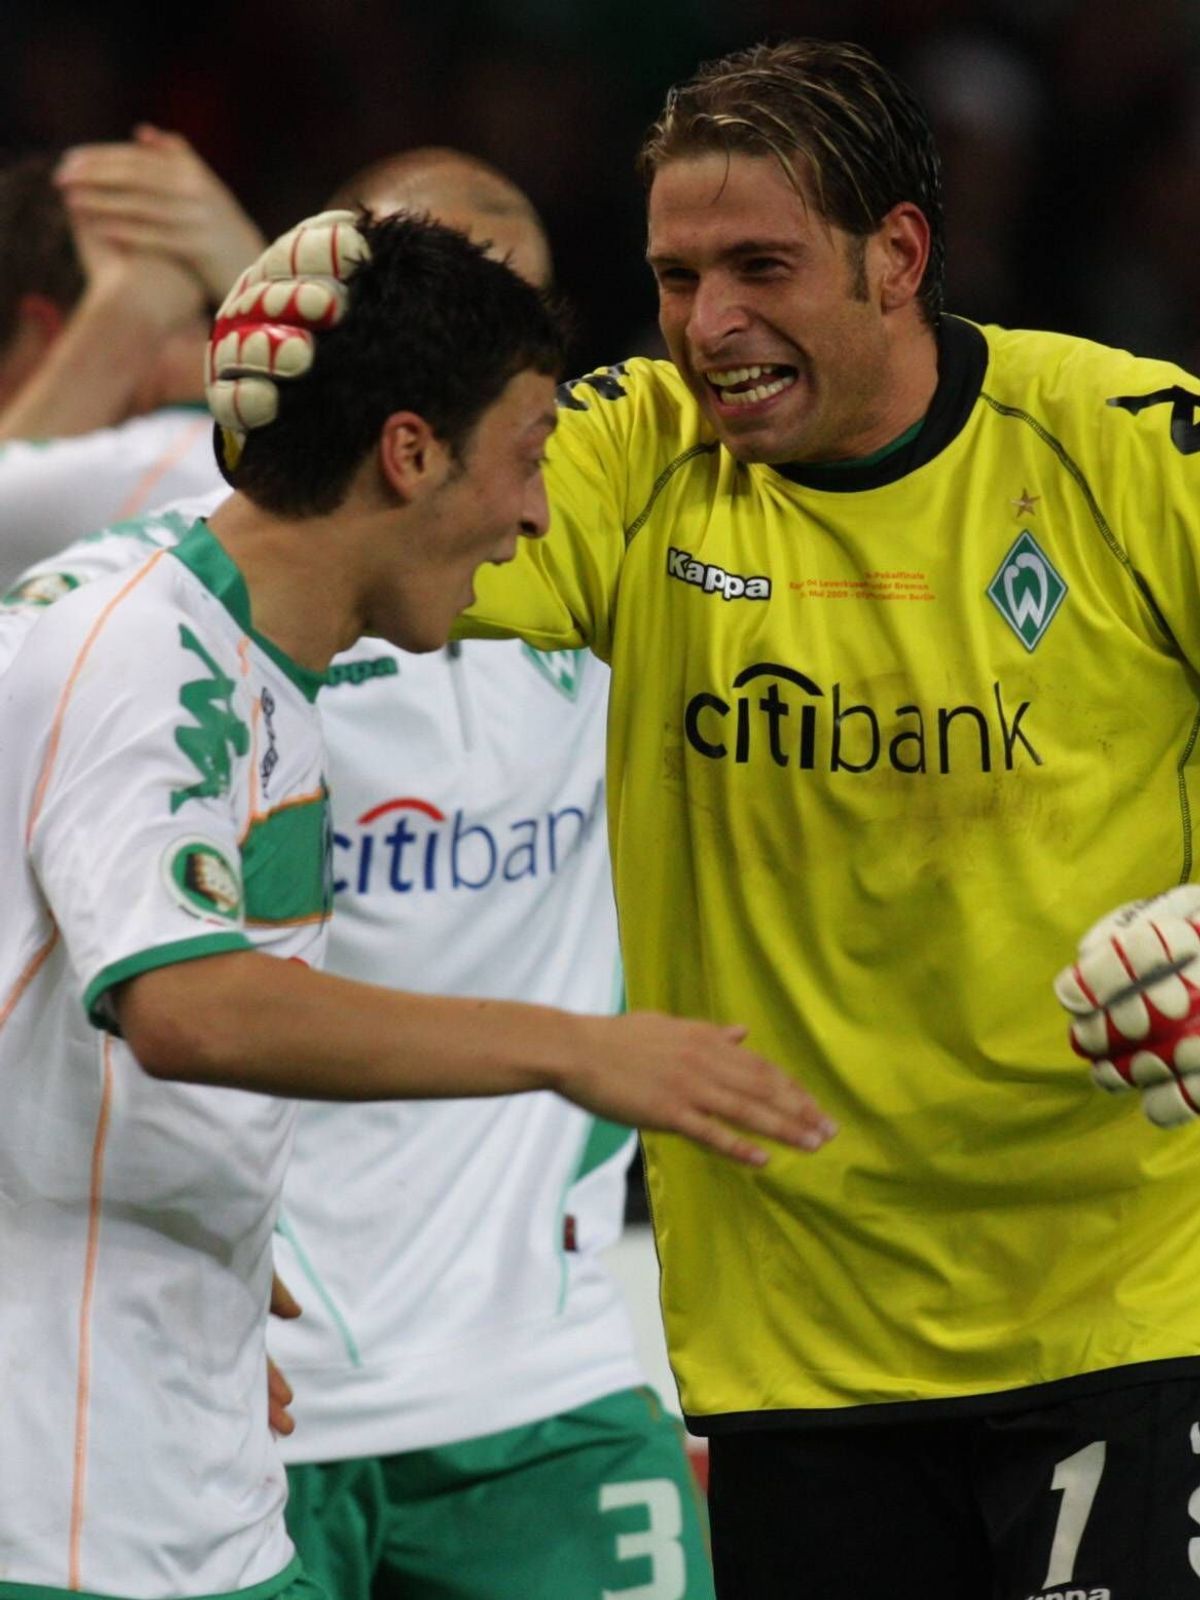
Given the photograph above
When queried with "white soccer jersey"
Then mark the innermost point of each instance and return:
(161, 799)
(450, 1277)
(446, 1253)
(53, 490)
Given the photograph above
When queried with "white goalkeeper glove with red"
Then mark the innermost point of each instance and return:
(263, 332)
(1134, 998)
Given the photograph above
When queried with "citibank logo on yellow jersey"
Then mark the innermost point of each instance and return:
(775, 713)
(715, 580)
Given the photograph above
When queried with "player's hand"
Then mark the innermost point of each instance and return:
(165, 294)
(263, 331)
(1133, 993)
(279, 1390)
(693, 1078)
(154, 193)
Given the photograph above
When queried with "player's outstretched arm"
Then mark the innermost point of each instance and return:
(1133, 994)
(250, 1021)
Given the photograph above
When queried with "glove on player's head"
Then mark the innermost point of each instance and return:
(263, 332)
(1133, 993)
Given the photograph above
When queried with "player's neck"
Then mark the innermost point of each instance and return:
(304, 593)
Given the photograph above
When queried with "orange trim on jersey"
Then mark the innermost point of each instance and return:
(35, 965)
(253, 795)
(284, 805)
(289, 922)
(83, 1386)
(138, 496)
(60, 711)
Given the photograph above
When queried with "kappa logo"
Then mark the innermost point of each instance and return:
(1027, 591)
(270, 758)
(1073, 1594)
(359, 672)
(712, 579)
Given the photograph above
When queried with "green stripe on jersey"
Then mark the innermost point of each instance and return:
(285, 864)
(163, 955)
(604, 1140)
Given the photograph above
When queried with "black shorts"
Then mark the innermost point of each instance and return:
(1096, 1497)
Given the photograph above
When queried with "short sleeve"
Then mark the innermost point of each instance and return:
(133, 830)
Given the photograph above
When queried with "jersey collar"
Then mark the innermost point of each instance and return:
(209, 562)
(962, 361)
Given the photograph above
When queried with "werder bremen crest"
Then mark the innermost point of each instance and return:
(562, 668)
(1027, 591)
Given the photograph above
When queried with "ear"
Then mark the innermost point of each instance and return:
(412, 459)
(902, 245)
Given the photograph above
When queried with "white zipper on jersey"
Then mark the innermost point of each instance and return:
(462, 700)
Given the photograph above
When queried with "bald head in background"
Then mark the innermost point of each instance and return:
(459, 191)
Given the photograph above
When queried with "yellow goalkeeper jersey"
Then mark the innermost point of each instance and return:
(884, 740)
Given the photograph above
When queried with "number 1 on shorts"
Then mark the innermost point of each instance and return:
(1077, 1478)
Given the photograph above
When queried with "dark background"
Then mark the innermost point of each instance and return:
(1071, 128)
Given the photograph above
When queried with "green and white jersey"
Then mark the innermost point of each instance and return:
(884, 739)
(54, 490)
(162, 799)
(447, 1254)
(450, 1273)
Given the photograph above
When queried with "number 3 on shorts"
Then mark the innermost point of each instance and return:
(658, 1541)
(1076, 1478)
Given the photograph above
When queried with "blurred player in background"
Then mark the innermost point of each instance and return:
(901, 614)
(103, 321)
(166, 817)
(464, 1359)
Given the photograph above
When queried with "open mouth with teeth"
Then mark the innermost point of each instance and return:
(747, 386)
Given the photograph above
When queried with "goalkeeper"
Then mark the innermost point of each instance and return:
(903, 620)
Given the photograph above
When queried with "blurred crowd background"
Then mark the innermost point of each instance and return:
(1071, 128)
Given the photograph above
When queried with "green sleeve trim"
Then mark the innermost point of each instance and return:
(258, 1591)
(95, 999)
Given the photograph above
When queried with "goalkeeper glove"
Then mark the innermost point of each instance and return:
(263, 332)
(1133, 993)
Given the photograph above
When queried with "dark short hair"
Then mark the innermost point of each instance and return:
(433, 326)
(862, 136)
(37, 251)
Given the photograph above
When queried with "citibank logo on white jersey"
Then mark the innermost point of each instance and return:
(410, 846)
(715, 580)
(785, 717)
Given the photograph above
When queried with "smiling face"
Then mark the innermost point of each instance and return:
(468, 510)
(777, 320)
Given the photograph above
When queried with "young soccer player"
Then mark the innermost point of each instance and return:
(164, 816)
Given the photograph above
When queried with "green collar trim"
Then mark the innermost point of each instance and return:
(816, 468)
(207, 560)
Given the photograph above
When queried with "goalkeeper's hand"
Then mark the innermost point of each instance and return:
(263, 332)
(1134, 998)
